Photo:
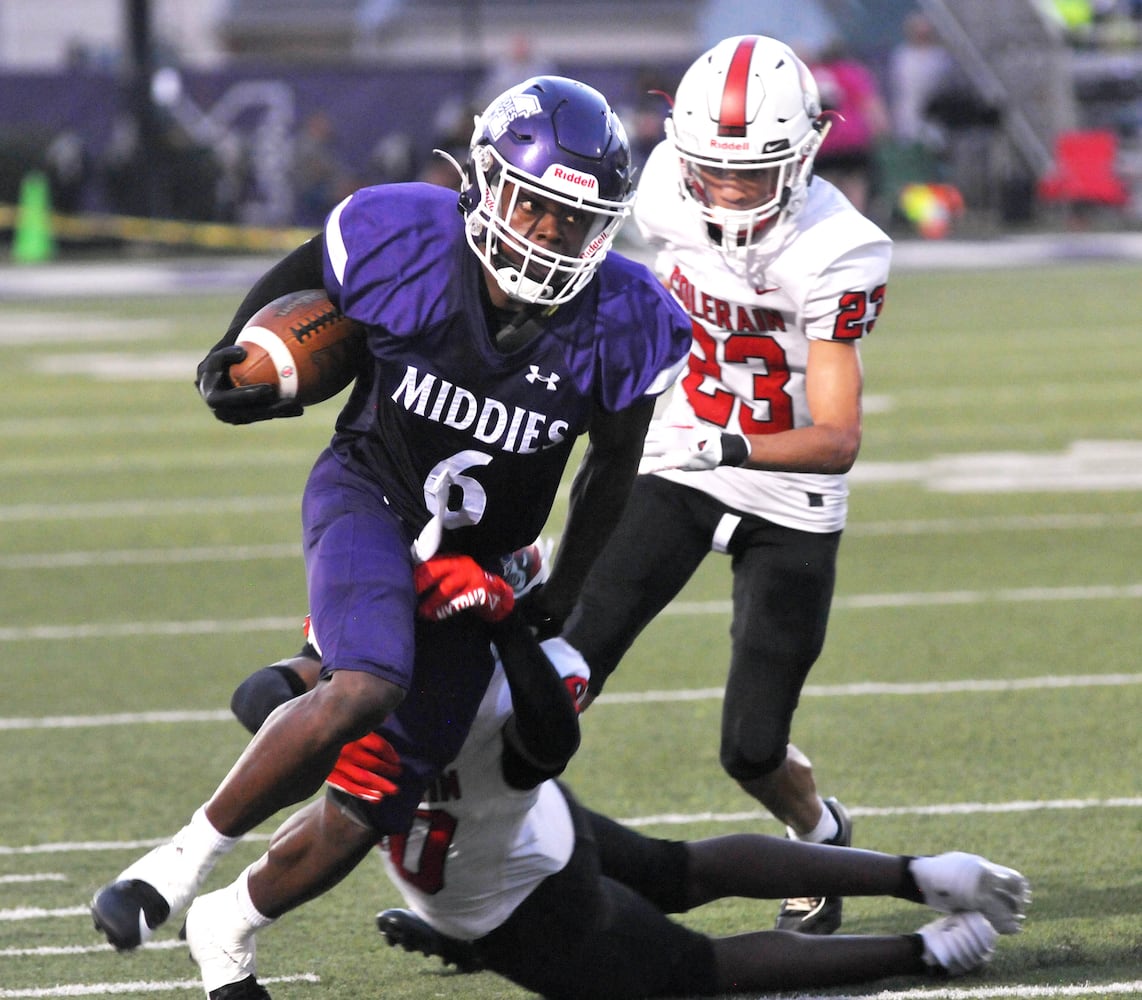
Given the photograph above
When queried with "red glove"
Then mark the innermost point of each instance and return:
(448, 584)
(365, 768)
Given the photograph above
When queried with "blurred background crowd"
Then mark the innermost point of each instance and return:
(955, 116)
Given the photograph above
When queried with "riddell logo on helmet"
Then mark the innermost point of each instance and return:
(572, 178)
(719, 144)
(594, 246)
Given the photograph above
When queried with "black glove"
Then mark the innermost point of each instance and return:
(232, 404)
(539, 618)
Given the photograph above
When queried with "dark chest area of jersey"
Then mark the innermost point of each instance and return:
(451, 381)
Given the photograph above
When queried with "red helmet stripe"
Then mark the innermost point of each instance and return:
(731, 116)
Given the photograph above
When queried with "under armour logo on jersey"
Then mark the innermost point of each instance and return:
(548, 380)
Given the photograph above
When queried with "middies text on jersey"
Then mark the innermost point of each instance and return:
(489, 420)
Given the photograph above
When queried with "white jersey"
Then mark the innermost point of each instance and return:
(819, 275)
(478, 847)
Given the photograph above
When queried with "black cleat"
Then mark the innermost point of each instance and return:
(818, 914)
(128, 912)
(405, 928)
(245, 989)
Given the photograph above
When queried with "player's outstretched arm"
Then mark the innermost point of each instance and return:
(599, 492)
(542, 734)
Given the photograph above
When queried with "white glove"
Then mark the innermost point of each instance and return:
(690, 448)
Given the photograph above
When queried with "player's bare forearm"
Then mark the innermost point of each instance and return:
(833, 387)
(826, 449)
(599, 493)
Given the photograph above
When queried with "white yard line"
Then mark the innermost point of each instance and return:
(937, 598)
(139, 986)
(863, 688)
(151, 557)
(132, 509)
(84, 949)
(213, 626)
(939, 809)
(983, 992)
(660, 819)
(187, 554)
(859, 689)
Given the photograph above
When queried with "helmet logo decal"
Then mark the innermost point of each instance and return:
(498, 119)
(569, 179)
(731, 115)
(597, 244)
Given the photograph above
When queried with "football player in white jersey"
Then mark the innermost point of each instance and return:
(782, 278)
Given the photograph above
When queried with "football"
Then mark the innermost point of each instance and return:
(302, 345)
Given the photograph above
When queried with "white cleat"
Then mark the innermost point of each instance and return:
(956, 882)
(959, 943)
(220, 941)
(170, 872)
(145, 895)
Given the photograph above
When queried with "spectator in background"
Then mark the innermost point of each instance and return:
(168, 173)
(651, 102)
(320, 178)
(69, 169)
(847, 157)
(452, 125)
(521, 63)
(393, 159)
(451, 129)
(918, 69)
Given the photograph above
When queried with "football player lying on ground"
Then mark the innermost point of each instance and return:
(522, 880)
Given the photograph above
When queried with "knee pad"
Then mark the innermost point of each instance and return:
(741, 768)
(263, 691)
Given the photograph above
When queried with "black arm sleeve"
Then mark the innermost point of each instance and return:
(543, 733)
(599, 493)
(297, 271)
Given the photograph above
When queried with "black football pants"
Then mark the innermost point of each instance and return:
(783, 582)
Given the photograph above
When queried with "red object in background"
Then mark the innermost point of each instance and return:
(1084, 170)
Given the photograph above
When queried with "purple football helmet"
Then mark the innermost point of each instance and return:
(559, 140)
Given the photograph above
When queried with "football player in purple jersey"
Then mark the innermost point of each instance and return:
(500, 330)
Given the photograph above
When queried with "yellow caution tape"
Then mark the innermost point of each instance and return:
(213, 235)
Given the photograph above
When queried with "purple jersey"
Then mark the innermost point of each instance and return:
(442, 424)
(440, 399)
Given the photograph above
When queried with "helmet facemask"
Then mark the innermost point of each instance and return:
(780, 182)
(524, 269)
(746, 120)
(548, 152)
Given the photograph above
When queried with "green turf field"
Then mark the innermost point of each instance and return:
(980, 687)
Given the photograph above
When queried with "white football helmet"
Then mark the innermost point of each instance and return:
(747, 109)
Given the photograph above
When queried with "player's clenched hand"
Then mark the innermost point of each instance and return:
(367, 768)
(449, 584)
(690, 448)
(238, 404)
